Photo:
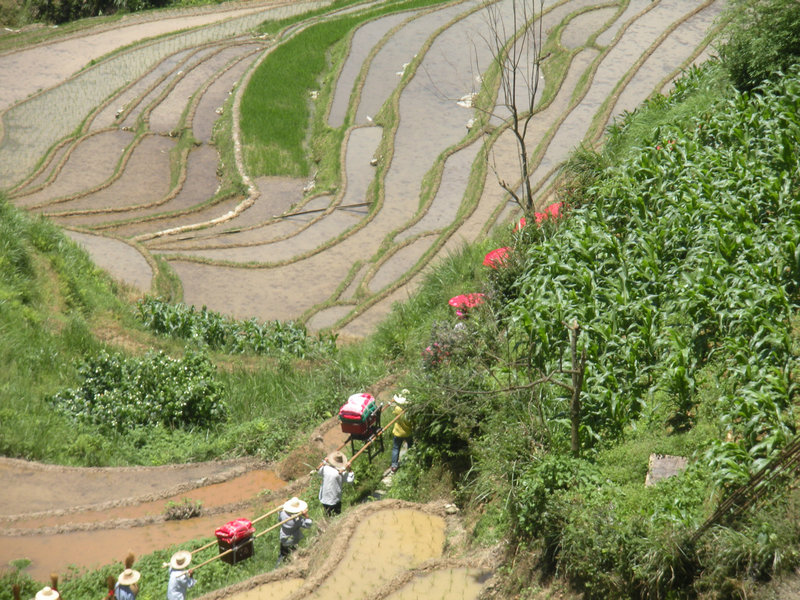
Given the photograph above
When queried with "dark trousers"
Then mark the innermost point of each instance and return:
(285, 551)
(332, 509)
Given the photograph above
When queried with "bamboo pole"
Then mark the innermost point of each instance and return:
(373, 438)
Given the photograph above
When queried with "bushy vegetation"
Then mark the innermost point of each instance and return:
(219, 332)
(762, 42)
(118, 393)
(681, 268)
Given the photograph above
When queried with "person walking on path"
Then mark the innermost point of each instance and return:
(291, 533)
(180, 579)
(335, 473)
(402, 430)
(127, 585)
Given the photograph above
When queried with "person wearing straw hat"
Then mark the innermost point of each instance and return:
(291, 534)
(335, 473)
(402, 430)
(180, 576)
(127, 585)
(47, 593)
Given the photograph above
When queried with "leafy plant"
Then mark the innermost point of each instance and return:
(119, 394)
(223, 333)
(762, 40)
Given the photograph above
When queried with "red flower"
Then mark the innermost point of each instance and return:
(496, 258)
(463, 302)
(520, 224)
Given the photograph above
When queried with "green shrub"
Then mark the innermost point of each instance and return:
(212, 329)
(762, 41)
(120, 394)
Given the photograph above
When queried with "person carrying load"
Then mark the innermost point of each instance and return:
(291, 534)
(180, 575)
(402, 431)
(335, 473)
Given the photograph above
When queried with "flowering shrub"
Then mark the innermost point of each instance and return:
(118, 393)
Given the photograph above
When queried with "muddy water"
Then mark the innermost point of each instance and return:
(248, 485)
(166, 116)
(444, 208)
(639, 35)
(399, 262)
(90, 162)
(574, 34)
(145, 180)
(275, 590)
(199, 186)
(91, 549)
(217, 94)
(360, 150)
(141, 106)
(444, 584)
(400, 49)
(393, 541)
(117, 257)
(114, 113)
(33, 126)
(677, 48)
(364, 40)
(57, 60)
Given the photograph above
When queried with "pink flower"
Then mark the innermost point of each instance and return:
(496, 258)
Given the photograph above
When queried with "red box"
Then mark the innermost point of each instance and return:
(235, 530)
(235, 540)
(355, 427)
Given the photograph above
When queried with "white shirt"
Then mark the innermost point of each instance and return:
(330, 492)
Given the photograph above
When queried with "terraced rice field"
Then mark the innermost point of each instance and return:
(97, 149)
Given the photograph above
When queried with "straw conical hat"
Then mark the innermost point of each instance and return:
(295, 506)
(336, 459)
(181, 559)
(47, 593)
(128, 577)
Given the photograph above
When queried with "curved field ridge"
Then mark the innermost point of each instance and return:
(111, 162)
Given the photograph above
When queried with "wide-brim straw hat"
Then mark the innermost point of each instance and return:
(47, 593)
(295, 506)
(128, 577)
(400, 399)
(181, 559)
(336, 459)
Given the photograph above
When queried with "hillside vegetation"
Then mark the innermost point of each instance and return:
(668, 289)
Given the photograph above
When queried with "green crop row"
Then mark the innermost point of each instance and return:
(219, 332)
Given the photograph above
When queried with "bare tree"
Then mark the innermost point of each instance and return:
(515, 39)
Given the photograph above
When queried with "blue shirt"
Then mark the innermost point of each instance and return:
(123, 592)
(179, 582)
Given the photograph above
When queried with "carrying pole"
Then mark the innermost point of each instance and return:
(221, 554)
(373, 438)
(264, 516)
